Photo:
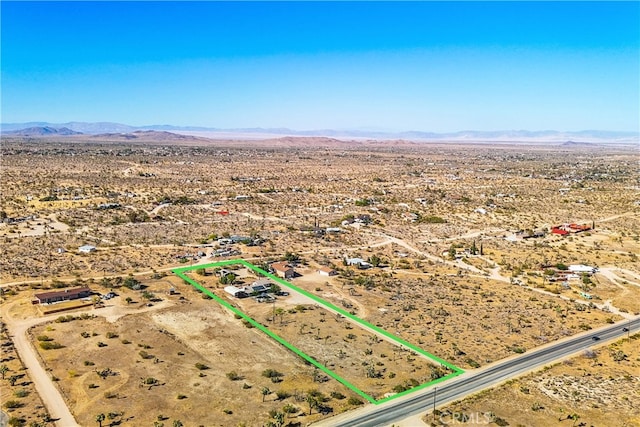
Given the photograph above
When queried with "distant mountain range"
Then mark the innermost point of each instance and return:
(42, 131)
(120, 130)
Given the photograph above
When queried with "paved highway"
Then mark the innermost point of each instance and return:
(474, 381)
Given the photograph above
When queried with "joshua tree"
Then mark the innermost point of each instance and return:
(13, 379)
(3, 370)
(265, 391)
(99, 419)
(312, 401)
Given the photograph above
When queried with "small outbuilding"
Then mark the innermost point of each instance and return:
(87, 249)
(235, 292)
(326, 271)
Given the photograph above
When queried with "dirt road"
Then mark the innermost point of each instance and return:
(49, 393)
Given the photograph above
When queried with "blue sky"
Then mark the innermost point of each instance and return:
(432, 66)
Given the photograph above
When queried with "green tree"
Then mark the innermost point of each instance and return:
(474, 248)
(99, 419)
(452, 252)
(177, 423)
(228, 279)
(132, 283)
(375, 260)
(275, 288)
(291, 257)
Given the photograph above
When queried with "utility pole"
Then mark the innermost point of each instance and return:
(435, 393)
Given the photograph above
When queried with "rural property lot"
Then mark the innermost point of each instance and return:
(366, 359)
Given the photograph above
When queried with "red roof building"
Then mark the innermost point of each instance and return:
(284, 270)
(63, 295)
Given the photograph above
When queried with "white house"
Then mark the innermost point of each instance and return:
(359, 262)
(235, 292)
(580, 268)
(86, 249)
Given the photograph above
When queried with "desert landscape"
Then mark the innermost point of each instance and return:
(464, 251)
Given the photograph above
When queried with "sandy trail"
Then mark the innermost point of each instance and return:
(49, 393)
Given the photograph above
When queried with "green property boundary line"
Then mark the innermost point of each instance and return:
(456, 371)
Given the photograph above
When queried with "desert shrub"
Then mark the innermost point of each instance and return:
(289, 409)
(50, 345)
(281, 394)
(432, 219)
(472, 363)
(67, 318)
(272, 373)
(399, 388)
(354, 401)
(233, 376)
(500, 421)
(16, 422)
(337, 395)
(12, 404)
(201, 366)
(146, 355)
(21, 393)
(517, 349)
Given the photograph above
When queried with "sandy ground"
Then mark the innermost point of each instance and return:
(46, 388)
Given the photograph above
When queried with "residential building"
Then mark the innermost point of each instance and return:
(283, 270)
(326, 271)
(63, 295)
